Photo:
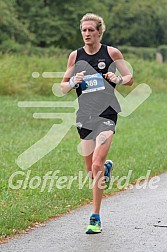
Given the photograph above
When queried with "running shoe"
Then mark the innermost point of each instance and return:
(94, 227)
(107, 175)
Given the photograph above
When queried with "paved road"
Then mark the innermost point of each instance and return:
(133, 220)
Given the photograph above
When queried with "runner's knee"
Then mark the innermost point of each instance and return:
(97, 166)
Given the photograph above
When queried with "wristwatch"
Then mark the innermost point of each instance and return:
(120, 80)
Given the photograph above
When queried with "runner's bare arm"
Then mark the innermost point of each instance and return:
(116, 55)
(65, 86)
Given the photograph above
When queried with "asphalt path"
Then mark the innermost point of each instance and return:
(132, 220)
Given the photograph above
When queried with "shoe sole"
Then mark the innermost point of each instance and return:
(89, 231)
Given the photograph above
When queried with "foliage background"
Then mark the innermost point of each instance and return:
(53, 23)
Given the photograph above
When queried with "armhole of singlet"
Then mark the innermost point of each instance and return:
(106, 47)
(79, 50)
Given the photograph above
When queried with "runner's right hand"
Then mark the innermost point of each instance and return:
(78, 78)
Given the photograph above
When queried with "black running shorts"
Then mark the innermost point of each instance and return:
(89, 127)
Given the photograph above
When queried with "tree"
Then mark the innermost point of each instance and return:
(137, 23)
(11, 28)
(55, 23)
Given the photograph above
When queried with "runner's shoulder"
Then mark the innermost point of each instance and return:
(114, 53)
(72, 58)
(73, 55)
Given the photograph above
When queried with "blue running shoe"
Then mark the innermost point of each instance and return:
(94, 227)
(107, 175)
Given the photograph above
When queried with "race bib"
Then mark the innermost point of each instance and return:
(92, 83)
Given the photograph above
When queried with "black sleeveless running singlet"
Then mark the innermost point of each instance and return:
(95, 103)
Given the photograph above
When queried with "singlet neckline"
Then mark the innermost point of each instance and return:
(93, 53)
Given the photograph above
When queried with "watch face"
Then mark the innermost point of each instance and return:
(120, 79)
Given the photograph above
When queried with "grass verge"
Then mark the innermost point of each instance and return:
(138, 145)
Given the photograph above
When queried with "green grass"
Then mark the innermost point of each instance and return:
(16, 70)
(138, 145)
(16, 74)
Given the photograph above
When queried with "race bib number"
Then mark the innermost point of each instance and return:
(92, 83)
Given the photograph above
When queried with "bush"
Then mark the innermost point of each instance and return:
(12, 47)
(163, 50)
(145, 53)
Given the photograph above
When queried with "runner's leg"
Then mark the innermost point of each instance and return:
(103, 142)
(88, 147)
